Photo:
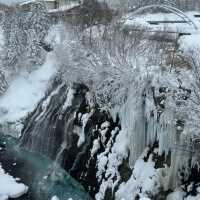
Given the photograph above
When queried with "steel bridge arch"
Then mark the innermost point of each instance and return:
(174, 10)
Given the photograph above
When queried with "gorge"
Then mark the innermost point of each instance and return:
(99, 104)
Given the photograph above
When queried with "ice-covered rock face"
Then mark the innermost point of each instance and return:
(68, 128)
(98, 151)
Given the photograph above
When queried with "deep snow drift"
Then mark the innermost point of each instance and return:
(24, 92)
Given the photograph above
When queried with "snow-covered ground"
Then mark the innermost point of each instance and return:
(178, 195)
(145, 180)
(25, 91)
(9, 187)
(190, 42)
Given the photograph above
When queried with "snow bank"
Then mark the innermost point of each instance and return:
(190, 42)
(25, 92)
(55, 198)
(9, 188)
(143, 182)
(179, 194)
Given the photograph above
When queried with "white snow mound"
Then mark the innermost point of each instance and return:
(9, 188)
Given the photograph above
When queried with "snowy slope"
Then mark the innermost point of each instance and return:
(25, 92)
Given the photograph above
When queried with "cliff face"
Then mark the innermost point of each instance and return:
(67, 129)
(111, 156)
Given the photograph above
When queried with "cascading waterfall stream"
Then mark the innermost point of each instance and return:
(59, 156)
(55, 114)
(68, 124)
(56, 128)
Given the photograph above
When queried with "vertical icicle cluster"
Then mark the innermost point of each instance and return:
(155, 112)
(141, 118)
(147, 119)
(132, 116)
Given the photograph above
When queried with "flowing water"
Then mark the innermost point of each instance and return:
(44, 177)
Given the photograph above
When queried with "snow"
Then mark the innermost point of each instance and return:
(2, 40)
(27, 2)
(179, 194)
(96, 147)
(136, 116)
(9, 188)
(106, 124)
(143, 20)
(33, 1)
(25, 91)
(176, 195)
(69, 99)
(55, 35)
(145, 180)
(103, 135)
(108, 163)
(84, 119)
(55, 198)
(190, 42)
(193, 197)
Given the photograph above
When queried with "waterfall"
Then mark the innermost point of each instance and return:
(68, 124)
(64, 126)
(70, 129)
(50, 128)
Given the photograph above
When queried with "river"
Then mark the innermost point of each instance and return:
(43, 176)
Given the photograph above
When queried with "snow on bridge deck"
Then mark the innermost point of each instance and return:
(164, 22)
